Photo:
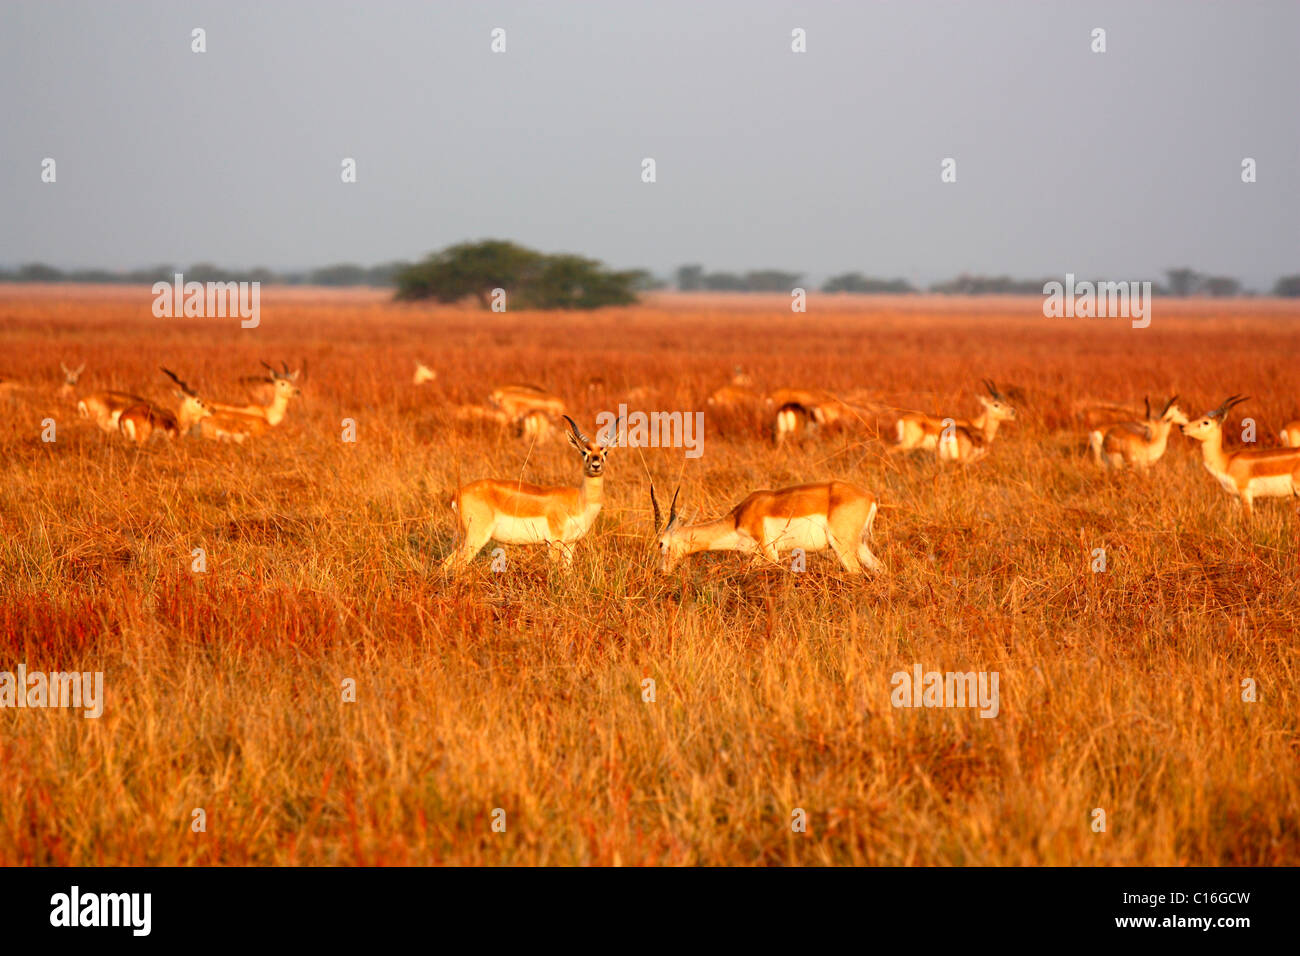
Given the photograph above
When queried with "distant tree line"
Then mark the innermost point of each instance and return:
(567, 281)
(1179, 282)
(342, 274)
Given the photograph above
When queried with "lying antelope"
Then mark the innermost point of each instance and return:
(1244, 474)
(1138, 444)
(829, 514)
(1291, 434)
(104, 407)
(221, 425)
(963, 439)
(518, 400)
(142, 421)
(515, 512)
(285, 387)
(423, 374)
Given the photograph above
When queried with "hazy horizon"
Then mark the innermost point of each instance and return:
(1119, 164)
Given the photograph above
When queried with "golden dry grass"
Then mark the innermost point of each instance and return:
(522, 690)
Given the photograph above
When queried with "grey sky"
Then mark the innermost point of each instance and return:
(1117, 164)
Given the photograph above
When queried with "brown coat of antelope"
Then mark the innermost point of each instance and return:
(284, 385)
(828, 514)
(955, 439)
(143, 420)
(1246, 474)
(1137, 444)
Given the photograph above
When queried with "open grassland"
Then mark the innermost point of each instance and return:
(523, 690)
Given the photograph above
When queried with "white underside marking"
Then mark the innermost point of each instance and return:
(1272, 486)
(510, 530)
(810, 533)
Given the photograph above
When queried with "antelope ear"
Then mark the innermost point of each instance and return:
(573, 440)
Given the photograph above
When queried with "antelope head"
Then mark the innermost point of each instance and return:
(671, 548)
(593, 454)
(1211, 423)
(70, 378)
(285, 382)
(997, 404)
(192, 407)
(423, 374)
(1172, 413)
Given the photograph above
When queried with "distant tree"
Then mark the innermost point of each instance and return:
(1183, 282)
(1287, 286)
(39, 272)
(531, 279)
(574, 282)
(723, 282)
(988, 285)
(385, 273)
(770, 280)
(1221, 286)
(470, 268)
(344, 273)
(857, 282)
(690, 278)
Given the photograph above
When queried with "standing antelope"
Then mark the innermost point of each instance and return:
(963, 439)
(1291, 434)
(1244, 474)
(142, 420)
(68, 390)
(829, 514)
(516, 512)
(1140, 444)
(285, 386)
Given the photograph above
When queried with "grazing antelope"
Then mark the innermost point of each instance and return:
(68, 390)
(423, 374)
(516, 512)
(829, 514)
(964, 440)
(1244, 474)
(1291, 434)
(144, 419)
(285, 387)
(517, 400)
(793, 419)
(1140, 444)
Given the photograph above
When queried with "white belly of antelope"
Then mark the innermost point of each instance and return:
(811, 533)
(1271, 486)
(510, 530)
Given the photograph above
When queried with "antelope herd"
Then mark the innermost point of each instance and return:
(834, 515)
